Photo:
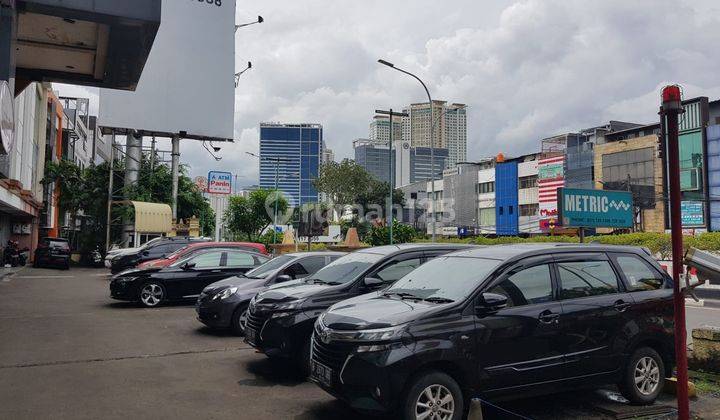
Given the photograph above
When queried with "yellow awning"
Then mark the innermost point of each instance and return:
(152, 217)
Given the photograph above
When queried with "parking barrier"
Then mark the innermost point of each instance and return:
(476, 413)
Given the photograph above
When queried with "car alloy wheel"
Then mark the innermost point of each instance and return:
(435, 402)
(647, 375)
(242, 322)
(151, 294)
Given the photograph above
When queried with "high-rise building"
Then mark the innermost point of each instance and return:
(380, 129)
(449, 131)
(456, 133)
(374, 157)
(297, 149)
(328, 155)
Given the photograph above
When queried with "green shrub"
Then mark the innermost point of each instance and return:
(658, 243)
(380, 235)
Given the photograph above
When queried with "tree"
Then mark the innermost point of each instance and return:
(342, 182)
(85, 191)
(349, 183)
(251, 215)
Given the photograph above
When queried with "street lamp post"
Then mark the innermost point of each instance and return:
(242, 25)
(391, 115)
(432, 140)
(277, 161)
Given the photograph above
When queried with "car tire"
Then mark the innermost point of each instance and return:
(302, 359)
(66, 266)
(644, 377)
(237, 323)
(151, 294)
(427, 386)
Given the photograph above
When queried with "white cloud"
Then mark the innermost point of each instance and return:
(527, 69)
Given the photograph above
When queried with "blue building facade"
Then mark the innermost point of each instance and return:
(506, 198)
(299, 149)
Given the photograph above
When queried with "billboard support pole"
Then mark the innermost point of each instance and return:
(581, 233)
(110, 191)
(175, 173)
(671, 108)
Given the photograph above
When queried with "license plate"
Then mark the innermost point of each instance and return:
(250, 335)
(321, 373)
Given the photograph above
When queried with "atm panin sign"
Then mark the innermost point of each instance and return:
(595, 208)
(219, 182)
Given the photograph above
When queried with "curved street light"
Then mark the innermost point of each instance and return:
(432, 139)
(238, 74)
(242, 25)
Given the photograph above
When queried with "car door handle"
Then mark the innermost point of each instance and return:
(621, 305)
(548, 317)
(216, 271)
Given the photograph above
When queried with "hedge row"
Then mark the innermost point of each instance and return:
(658, 243)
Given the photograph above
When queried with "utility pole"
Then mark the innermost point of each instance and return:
(110, 192)
(175, 170)
(391, 171)
(669, 112)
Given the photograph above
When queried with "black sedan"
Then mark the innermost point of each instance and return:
(184, 279)
(224, 304)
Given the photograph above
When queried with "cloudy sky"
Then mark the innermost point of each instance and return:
(527, 69)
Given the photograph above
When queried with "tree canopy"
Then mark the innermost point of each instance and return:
(349, 183)
(251, 215)
(84, 192)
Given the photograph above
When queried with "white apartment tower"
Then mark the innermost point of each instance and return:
(380, 129)
(449, 132)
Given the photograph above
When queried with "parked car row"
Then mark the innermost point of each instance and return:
(419, 329)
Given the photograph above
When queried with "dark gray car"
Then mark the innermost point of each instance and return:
(223, 304)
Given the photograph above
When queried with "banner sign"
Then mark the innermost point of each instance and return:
(219, 182)
(551, 176)
(595, 208)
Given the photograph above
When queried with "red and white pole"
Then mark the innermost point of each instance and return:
(671, 108)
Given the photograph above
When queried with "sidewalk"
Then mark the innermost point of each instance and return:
(4, 272)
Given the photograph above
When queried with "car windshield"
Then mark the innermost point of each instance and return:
(346, 268)
(444, 279)
(151, 242)
(269, 267)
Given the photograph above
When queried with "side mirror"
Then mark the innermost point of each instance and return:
(146, 253)
(373, 282)
(282, 278)
(490, 303)
(188, 266)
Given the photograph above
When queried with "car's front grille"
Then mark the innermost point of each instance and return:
(333, 354)
(256, 321)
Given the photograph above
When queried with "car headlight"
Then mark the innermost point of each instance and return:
(282, 310)
(226, 293)
(125, 279)
(289, 306)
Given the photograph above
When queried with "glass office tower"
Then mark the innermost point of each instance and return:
(299, 149)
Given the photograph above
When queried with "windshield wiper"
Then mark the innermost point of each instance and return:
(438, 299)
(402, 295)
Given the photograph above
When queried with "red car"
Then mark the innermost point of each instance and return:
(164, 262)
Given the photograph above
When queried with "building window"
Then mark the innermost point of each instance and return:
(638, 165)
(529, 209)
(528, 181)
(486, 187)
(487, 217)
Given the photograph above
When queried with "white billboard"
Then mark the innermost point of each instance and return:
(187, 85)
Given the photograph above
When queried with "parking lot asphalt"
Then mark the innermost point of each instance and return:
(68, 351)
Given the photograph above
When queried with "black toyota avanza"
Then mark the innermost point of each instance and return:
(500, 322)
(280, 321)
